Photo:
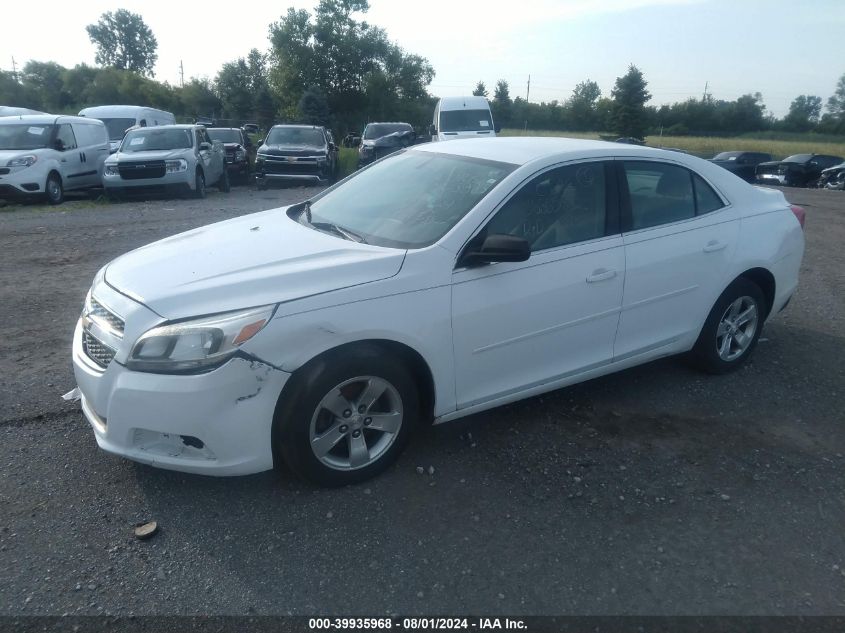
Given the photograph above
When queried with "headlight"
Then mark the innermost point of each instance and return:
(22, 161)
(111, 170)
(240, 155)
(175, 166)
(197, 345)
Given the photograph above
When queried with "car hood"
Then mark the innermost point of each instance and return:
(148, 155)
(253, 260)
(834, 168)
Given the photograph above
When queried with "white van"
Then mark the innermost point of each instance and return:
(462, 117)
(119, 118)
(46, 155)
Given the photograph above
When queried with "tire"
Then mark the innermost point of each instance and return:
(199, 184)
(726, 341)
(342, 382)
(53, 190)
(223, 184)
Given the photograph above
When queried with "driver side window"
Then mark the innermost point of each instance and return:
(561, 206)
(65, 140)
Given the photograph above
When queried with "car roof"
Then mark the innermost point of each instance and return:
(300, 125)
(237, 129)
(458, 103)
(519, 150)
(388, 123)
(47, 119)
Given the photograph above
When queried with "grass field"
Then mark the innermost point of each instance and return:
(708, 146)
(348, 159)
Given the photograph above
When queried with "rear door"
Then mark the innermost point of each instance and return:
(679, 237)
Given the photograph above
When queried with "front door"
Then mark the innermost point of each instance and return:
(520, 325)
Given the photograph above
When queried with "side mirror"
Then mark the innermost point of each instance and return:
(497, 247)
(59, 145)
(432, 130)
(205, 147)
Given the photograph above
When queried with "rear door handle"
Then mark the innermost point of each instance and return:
(600, 274)
(714, 245)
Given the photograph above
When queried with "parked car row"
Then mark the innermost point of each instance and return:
(798, 170)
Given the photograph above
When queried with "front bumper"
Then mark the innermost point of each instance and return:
(217, 423)
(179, 181)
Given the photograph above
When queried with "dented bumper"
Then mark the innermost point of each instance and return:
(217, 423)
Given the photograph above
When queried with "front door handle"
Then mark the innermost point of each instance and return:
(600, 274)
(714, 245)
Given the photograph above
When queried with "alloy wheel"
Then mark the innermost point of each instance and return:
(356, 423)
(737, 328)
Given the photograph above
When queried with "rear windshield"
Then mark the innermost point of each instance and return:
(117, 127)
(151, 139)
(377, 130)
(225, 136)
(798, 158)
(465, 120)
(25, 136)
(306, 136)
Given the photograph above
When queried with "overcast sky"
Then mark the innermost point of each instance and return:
(781, 48)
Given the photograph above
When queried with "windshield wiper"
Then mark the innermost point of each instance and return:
(338, 230)
(330, 226)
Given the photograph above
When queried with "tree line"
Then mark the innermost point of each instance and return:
(328, 68)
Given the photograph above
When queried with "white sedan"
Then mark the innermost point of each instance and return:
(441, 281)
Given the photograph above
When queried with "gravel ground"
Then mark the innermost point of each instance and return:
(653, 491)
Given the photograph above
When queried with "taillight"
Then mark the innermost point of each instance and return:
(799, 213)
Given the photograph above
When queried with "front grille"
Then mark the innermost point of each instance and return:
(97, 311)
(292, 168)
(139, 171)
(97, 351)
(768, 169)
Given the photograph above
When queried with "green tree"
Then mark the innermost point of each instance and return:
(124, 41)
(314, 107)
(480, 90)
(804, 112)
(344, 57)
(630, 95)
(583, 105)
(46, 81)
(502, 104)
(834, 118)
(198, 99)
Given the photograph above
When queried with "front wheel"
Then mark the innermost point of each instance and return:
(351, 418)
(199, 184)
(732, 328)
(54, 190)
(223, 184)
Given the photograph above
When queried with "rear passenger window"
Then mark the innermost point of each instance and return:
(706, 199)
(660, 194)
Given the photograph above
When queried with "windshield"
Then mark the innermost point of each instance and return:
(25, 136)
(798, 158)
(151, 139)
(727, 156)
(224, 135)
(465, 120)
(410, 200)
(377, 130)
(117, 127)
(296, 136)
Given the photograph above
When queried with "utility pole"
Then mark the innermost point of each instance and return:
(528, 92)
(14, 69)
(706, 84)
(181, 75)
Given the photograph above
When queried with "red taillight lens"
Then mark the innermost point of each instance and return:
(799, 213)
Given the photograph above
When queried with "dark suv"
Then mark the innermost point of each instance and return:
(799, 170)
(236, 145)
(743, 164)
(381, 139)
(296, 152)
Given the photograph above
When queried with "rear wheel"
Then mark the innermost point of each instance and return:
(351, 418)
(53, 189)
(732, 328)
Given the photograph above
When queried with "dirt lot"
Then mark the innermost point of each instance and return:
(654, 491)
